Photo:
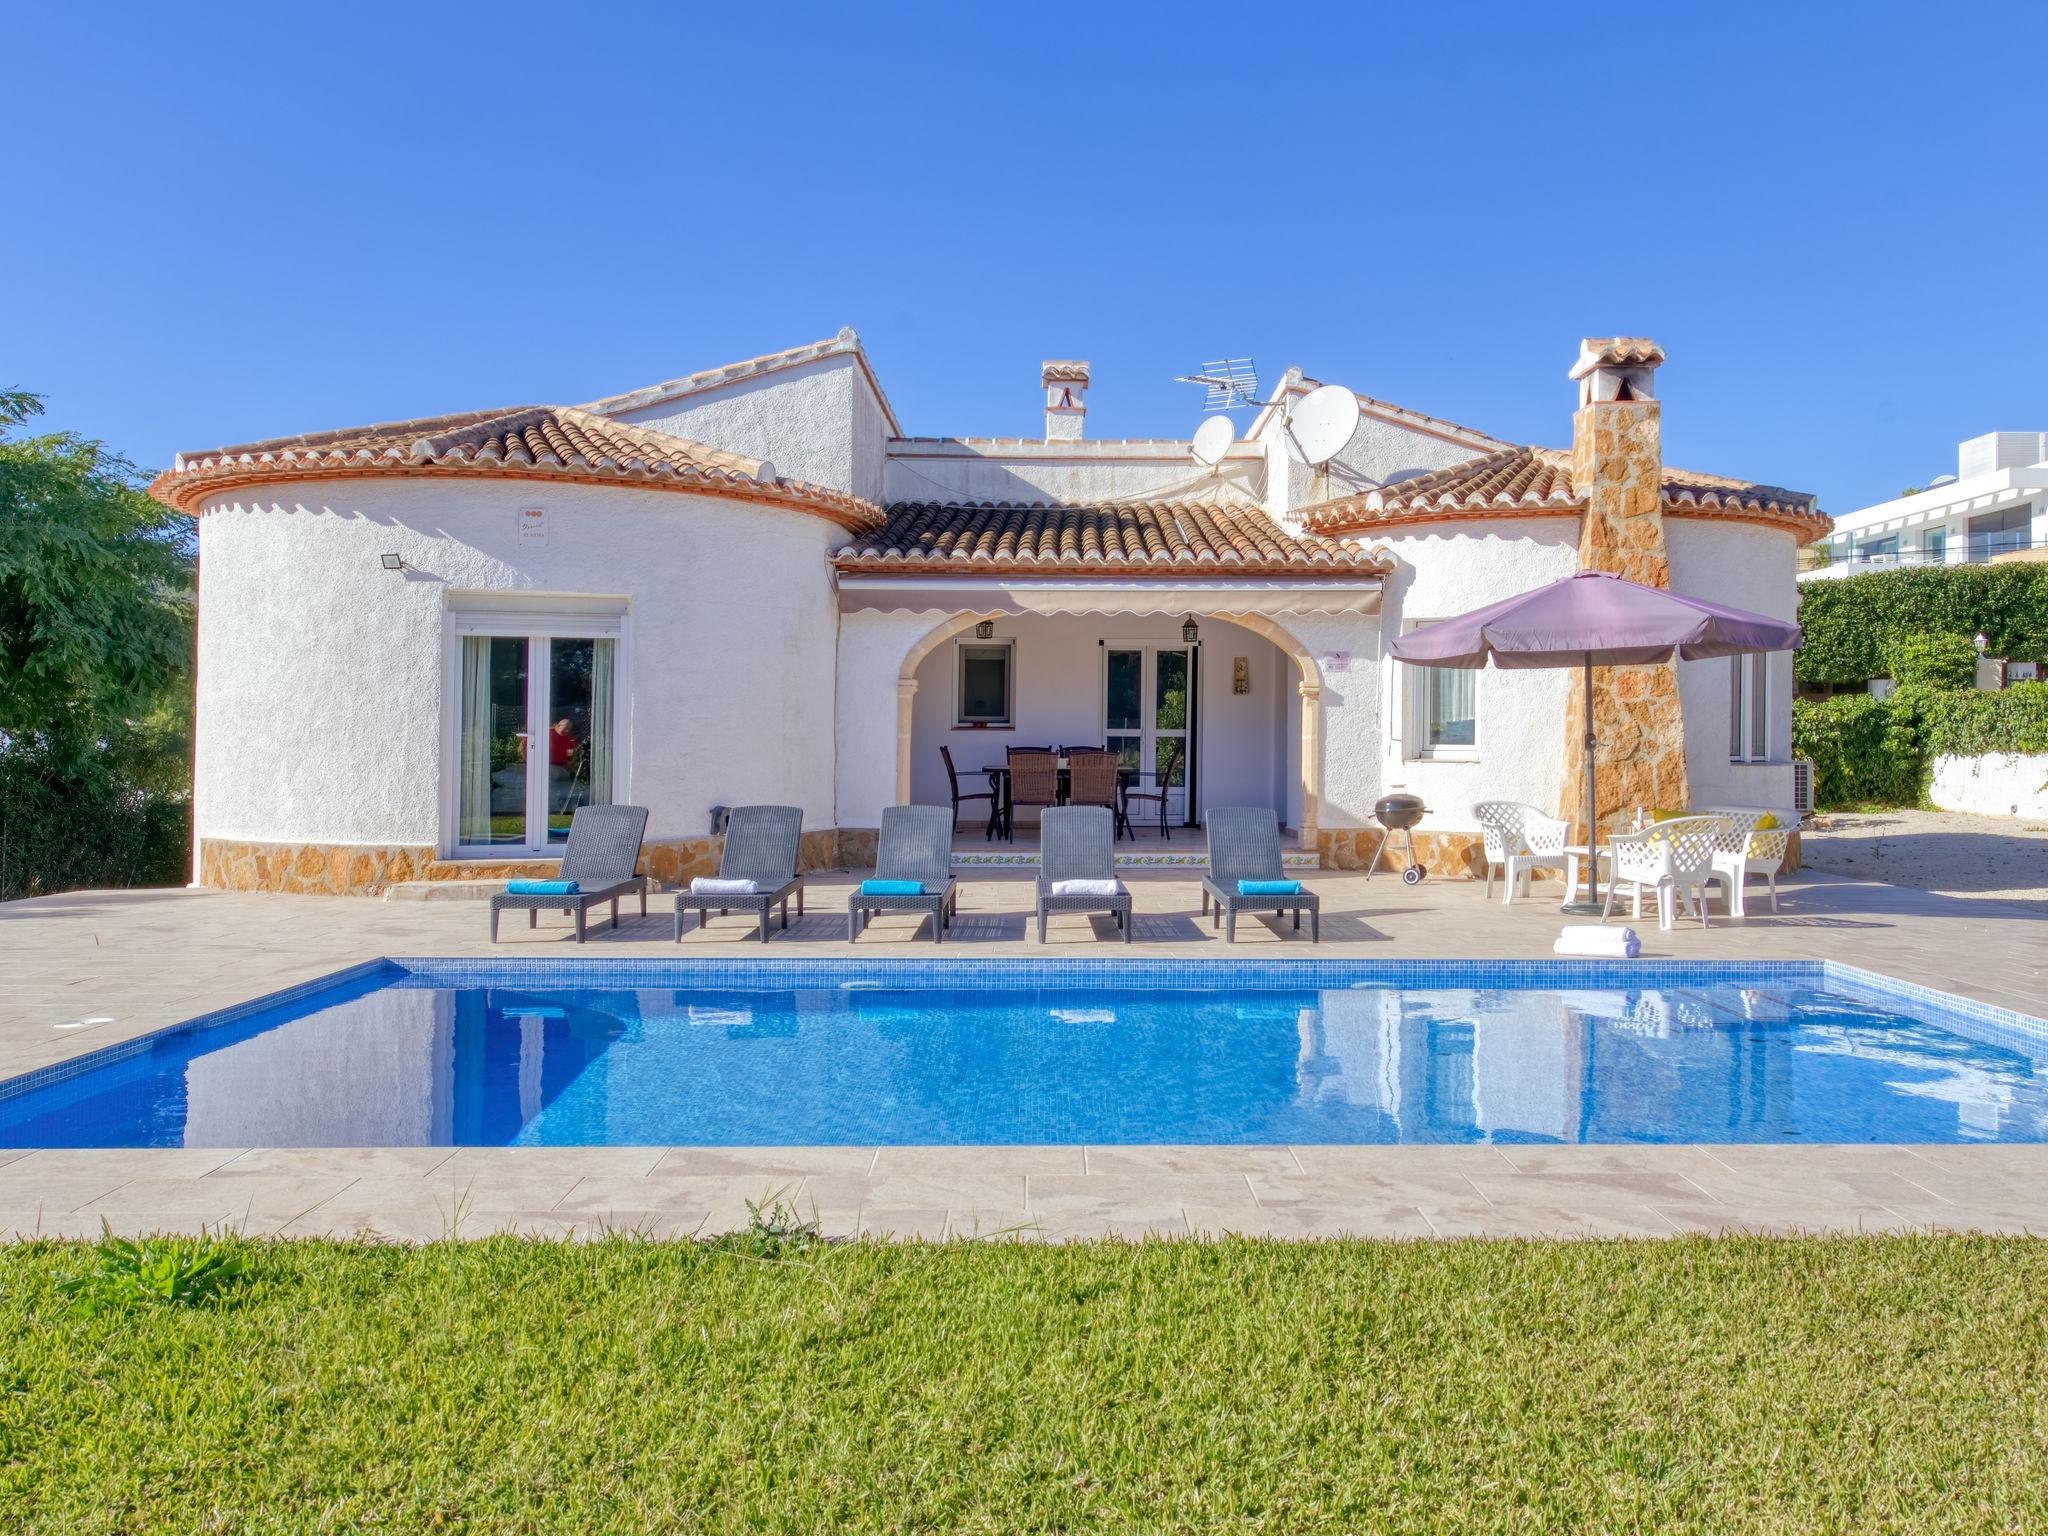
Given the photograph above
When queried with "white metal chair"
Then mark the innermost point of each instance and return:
(1519, 838)
(1673, 860)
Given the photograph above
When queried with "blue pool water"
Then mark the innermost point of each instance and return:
(458, 1053)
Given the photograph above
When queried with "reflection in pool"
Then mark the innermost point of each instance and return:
(402, 1062)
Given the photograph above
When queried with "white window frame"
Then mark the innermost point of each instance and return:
(1006, 644)
(1415, 687)
(518, 615)
(1749, 708)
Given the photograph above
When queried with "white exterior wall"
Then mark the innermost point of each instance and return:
(1746, 566)
(818, 422)
(1075, 473)
(1441, 572)
(1996, 784)
(325, 711)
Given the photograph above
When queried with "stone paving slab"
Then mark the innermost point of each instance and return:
(401, 1195)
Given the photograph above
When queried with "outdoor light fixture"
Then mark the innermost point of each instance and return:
(1983, 642)
(393, 562)
(1190, 631)
(985, 630)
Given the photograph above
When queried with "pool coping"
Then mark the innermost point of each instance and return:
(2005, 1026)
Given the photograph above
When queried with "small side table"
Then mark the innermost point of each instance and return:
(1574, 858)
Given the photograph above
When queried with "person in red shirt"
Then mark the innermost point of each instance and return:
(562, 744)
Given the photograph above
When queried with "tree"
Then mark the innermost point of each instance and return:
(95, 651)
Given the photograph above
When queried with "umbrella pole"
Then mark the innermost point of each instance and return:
(1591, 905)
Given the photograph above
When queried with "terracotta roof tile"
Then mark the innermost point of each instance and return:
(534, 442)
(1534, 482)
(1162, 538)
(1616, 352)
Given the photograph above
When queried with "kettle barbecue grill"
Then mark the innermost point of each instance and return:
(1398, 814)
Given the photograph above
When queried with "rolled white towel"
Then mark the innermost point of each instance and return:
(1598, 942)
(707, 885)
(1084, 887)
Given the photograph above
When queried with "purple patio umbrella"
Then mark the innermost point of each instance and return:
(1593, 619)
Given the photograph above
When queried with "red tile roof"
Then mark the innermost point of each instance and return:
(1537, 482)
(534, 442)
(1159, 538)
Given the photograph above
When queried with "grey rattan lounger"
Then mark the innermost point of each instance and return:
(761, 843)
(916, 844)
(1244, 844)
(603, 848)
(1078, 842)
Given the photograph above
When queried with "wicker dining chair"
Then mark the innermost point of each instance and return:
(953, 787)
(1159, 792)
(1093, 779)
(1034, 781)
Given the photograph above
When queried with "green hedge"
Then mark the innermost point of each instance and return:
(1868, 751)
(1968, 724)
(1854, 625)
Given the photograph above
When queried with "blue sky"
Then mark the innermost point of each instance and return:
(228, 223)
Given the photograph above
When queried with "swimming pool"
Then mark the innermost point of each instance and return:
(724, 1053)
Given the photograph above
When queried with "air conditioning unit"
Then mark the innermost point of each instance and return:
(1802, 786)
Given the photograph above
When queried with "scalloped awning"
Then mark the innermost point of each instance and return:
(908, 593)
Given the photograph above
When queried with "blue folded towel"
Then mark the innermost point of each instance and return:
(892, 887)
(542, 888)
(1269, 887)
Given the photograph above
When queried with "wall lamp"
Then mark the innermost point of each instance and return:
(1191, 631)
(394, 562)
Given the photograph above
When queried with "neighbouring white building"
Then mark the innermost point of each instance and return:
(1995, 506)
(423, 643)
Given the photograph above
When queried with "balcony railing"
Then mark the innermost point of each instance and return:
(1964, 551)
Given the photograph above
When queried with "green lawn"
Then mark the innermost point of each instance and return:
(1856, 1384)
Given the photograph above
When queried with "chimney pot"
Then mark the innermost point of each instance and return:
(1066, 397)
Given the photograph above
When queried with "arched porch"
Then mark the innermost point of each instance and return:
(1255, 732)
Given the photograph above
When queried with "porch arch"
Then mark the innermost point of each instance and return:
(1309, 686)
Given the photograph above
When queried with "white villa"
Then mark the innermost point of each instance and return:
(1994, 507)
(422, 644)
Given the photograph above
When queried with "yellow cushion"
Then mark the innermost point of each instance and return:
(1765, 823)
(1657, 815)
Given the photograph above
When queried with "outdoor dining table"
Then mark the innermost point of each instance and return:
(999, 781)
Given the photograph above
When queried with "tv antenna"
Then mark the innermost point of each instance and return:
(1231, 383)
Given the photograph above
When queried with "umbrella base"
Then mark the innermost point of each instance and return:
(1582, 908)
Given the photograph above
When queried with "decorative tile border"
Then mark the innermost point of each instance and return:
(1193, 858)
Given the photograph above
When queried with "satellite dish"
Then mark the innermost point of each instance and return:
(1213, 439)
(1322, 423)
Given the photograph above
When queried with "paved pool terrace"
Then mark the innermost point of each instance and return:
(88, 970)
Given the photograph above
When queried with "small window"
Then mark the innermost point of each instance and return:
(1443, 711)
(1749, 709)
(986, 683)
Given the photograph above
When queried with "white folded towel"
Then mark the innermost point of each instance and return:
(1598, 942)
(1084, 887)
(706, 885)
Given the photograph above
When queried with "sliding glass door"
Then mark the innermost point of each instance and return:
(535, 738)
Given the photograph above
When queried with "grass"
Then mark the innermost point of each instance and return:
(772, 1383)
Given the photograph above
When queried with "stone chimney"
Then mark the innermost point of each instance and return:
(1066, 397)
(1618, 458)
(1618, 468)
